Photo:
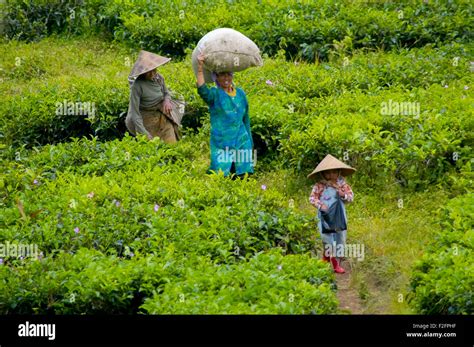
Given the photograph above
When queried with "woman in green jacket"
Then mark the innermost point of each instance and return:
(151, 109)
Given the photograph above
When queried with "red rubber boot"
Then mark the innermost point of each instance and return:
(336, 267)
(325, 259)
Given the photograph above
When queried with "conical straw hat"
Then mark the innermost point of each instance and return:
(330, 163)
(147, 61)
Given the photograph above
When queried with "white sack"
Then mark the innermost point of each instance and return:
(226, 50)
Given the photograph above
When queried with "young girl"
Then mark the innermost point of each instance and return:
(324, 194)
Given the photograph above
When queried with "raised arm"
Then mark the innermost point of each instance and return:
(200, 74)
(206, 93)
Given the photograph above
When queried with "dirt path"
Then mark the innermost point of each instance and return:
(349, 301)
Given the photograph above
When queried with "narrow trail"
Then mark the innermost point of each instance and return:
(348, 297)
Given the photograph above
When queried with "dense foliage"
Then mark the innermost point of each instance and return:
(298, 110)
(442, 280)
(173, 26)
(128, 200)
(126, 225)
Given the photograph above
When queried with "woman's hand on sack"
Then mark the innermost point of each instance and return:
(200, 72)
(167, 107)
(323, 207)
(201, 59)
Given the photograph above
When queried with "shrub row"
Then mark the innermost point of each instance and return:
(131, 222)
(312, 30)
(292, 105)
(140, 194)
(267, 284)
(442, 280)
(89, 282)
(414, 149)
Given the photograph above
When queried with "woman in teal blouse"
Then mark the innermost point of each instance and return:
(231, 140)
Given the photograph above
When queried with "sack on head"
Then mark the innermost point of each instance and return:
(226, 50)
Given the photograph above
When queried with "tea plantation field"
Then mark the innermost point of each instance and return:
(127, 225)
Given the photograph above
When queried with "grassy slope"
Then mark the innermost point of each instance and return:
(393, 237)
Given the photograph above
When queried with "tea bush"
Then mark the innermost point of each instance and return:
(415, 150)
(97, 76)
(172, 26)
(89, 282)
(86, 282)
(442, 280)
(34, 20)
(132, 226)
(125, 217)
(267, 284)
(292, 105)
(110, 191)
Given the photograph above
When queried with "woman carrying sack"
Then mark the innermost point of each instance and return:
(230, 124)
(151, 110)
(329, 195)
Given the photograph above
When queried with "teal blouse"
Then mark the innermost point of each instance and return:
(231, 139)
